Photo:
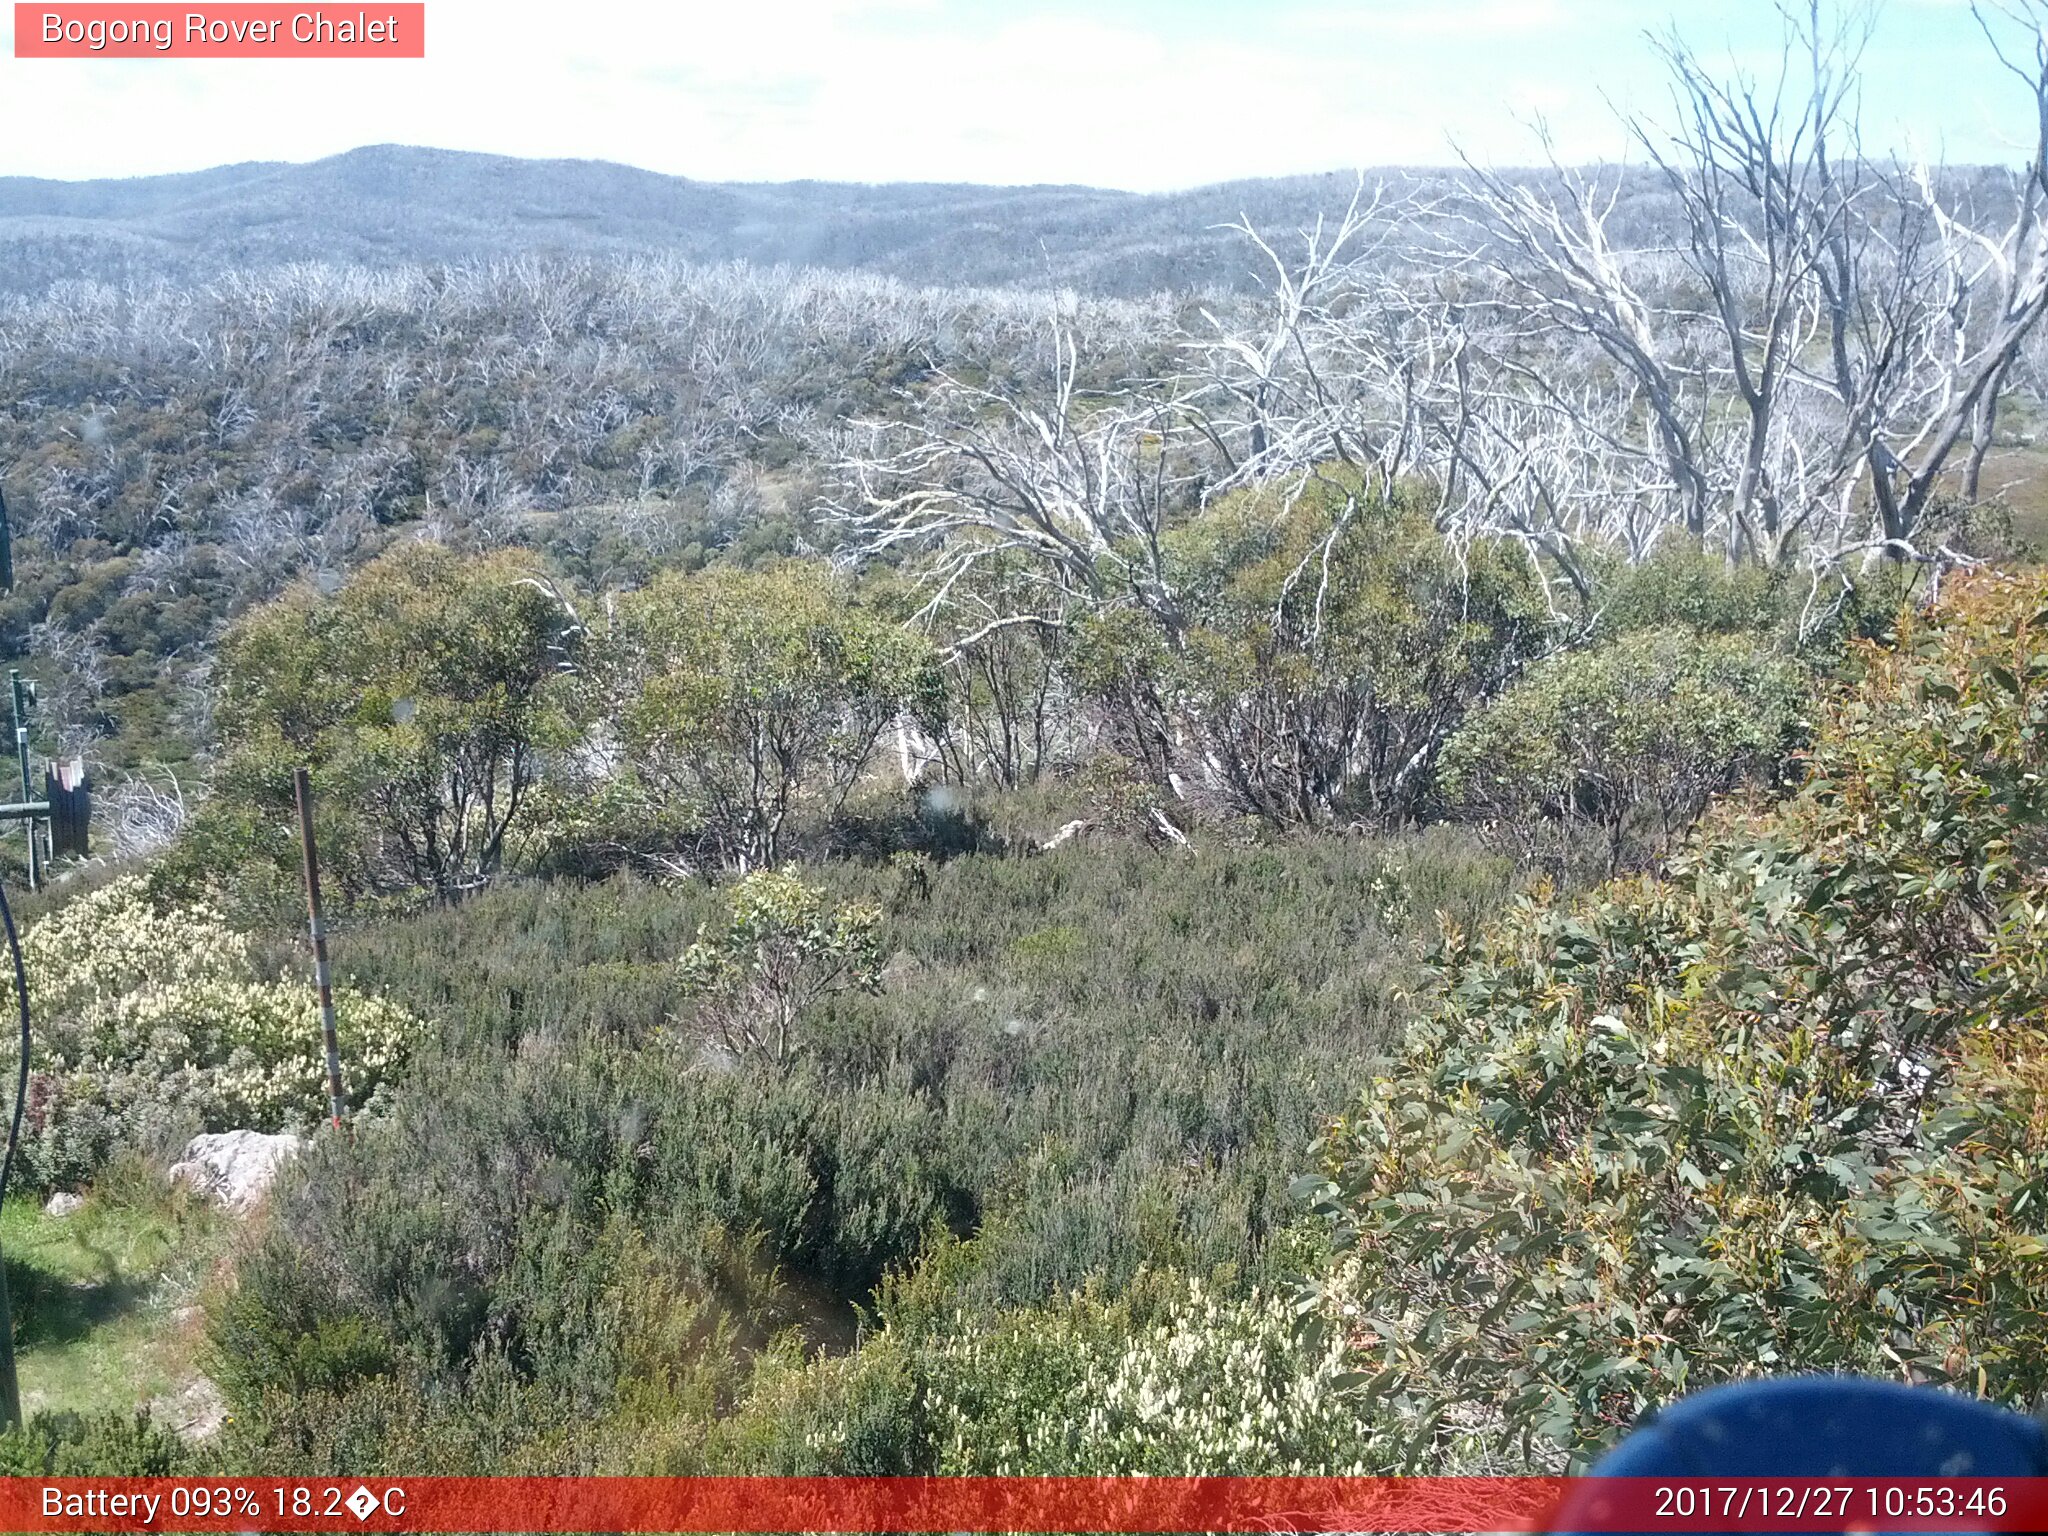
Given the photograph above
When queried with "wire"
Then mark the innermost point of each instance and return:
(21, 1001)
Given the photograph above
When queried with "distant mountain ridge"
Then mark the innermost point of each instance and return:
(394, 204)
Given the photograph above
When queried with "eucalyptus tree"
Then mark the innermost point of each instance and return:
(417, 691)
(739, 703)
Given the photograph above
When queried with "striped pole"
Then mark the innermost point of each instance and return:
(302, 786)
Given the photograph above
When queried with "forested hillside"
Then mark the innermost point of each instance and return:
(394, 205)
(171, 455)
(1378, 870)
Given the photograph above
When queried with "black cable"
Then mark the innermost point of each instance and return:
(21, 1001)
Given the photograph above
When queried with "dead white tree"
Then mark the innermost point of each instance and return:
(1834, 327)
(145, 812)
(1081, 483)
(1323, 369)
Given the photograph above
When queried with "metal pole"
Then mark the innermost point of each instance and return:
(10, 1385)
(302, 787)
(21, 696)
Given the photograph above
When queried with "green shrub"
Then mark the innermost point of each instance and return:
(536, 1209)
(1783, 1111)
(99, 1445)
(1089, 1062)
(415, 694)
(778, 953)
(1170, 1378)
(743, 702)
(1329, 643)
(150, 1026)
(1623, 746)
(1685, 586)
(256, 1350)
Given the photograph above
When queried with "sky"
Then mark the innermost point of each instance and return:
(1147, 95)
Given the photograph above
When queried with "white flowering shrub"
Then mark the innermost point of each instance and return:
(1201, 1384)
(151, 1026)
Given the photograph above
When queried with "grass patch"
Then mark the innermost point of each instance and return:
(105, 1299)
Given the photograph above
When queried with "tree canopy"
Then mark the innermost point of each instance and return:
(417, 694)
(741, 700)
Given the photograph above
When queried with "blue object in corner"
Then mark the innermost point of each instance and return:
(1828, 1426)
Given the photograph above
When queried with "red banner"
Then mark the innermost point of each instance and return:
(226, 31)
(1052, 1504)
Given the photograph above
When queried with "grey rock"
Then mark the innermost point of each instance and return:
(235, 1167)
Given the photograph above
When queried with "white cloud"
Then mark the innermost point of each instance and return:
(1437, 18)
(1143, 96)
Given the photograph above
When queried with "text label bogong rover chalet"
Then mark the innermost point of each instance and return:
(115, 31)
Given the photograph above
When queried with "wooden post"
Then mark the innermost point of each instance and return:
(302, 786)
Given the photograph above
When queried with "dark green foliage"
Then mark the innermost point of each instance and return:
(1782, 1111)
(1604, 757)
(1683, 586)
(1081, 1063)
(1325, 645)
(99, 1445)
(1810, 614)
(256, 1350)
(743, 702)
(416, 695)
